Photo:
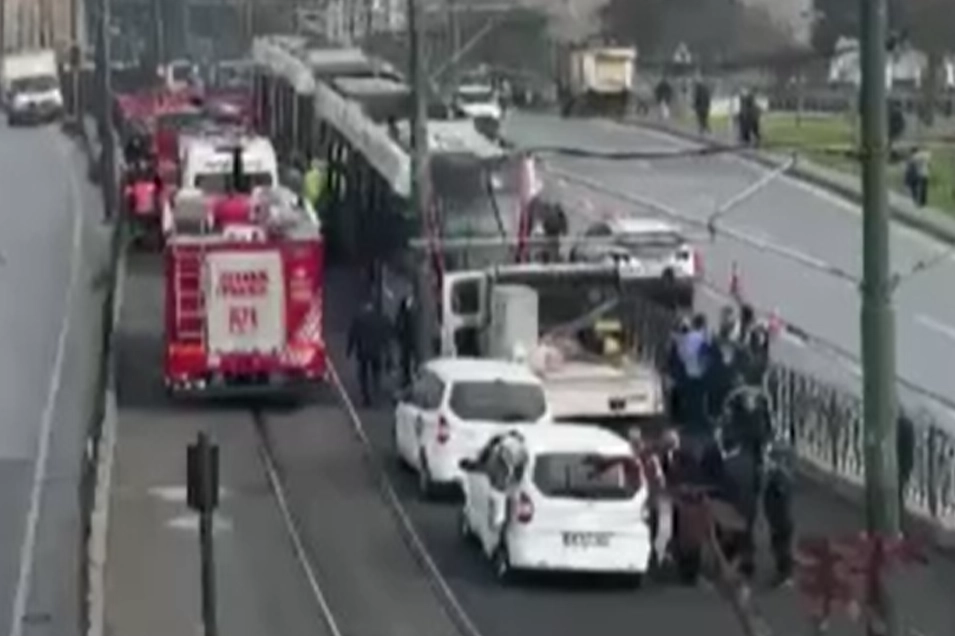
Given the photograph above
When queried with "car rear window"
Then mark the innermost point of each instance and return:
(586, 476)
(498, 401)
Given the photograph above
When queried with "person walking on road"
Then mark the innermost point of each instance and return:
(368, 340)
(918, 174)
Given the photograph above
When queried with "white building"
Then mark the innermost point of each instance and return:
(905, 67)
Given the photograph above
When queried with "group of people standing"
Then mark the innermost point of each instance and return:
(747, 112)
(721, 448)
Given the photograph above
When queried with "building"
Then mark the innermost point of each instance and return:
(37, 23)
(905, 67)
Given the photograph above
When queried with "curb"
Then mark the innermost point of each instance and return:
(97, 546)
(930, 221)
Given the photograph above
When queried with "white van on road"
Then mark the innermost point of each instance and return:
(455, 406)
(558, 498)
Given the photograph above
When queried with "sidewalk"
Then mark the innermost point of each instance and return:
(932, 221)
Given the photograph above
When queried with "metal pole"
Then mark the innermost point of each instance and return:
(107, 144)
(76, 62)
(159, 36)
(878, 321)
(454, 27)
(208, 574)
(3, 26)
(420, 175)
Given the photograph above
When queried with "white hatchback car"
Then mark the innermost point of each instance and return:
(455, 406)
(558, 497)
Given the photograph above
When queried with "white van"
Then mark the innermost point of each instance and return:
(560, 498)
(31, 87)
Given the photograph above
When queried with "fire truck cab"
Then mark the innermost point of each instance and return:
(244, 293)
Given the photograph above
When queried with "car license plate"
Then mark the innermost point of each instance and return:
(617, 404)
(586, 540)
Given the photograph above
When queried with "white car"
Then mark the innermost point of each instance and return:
(478, 101)
(558, 497)
(660, 249)
(455, 406)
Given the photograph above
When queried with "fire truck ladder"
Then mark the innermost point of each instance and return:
(190, 300)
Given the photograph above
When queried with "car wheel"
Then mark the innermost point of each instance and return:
(425, 483)
(502, 563)
(636, 580)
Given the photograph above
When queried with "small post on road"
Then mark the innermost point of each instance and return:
(202, 496)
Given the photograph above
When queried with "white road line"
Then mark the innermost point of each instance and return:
(297, 544)
(399, 509)
(27, 548)
(818, 191)
(936, 325)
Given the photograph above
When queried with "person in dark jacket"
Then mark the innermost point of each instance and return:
(702, 99)
(550, 215)
(905, 454)
(405, 335)
(368, 340)
(778, 510)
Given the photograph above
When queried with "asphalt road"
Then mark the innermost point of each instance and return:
(51, 246)
(367, 574)
(582, 606)
(788, 213)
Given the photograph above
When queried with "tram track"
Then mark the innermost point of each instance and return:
(337, 621)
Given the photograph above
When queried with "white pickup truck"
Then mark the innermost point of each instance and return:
(31, 87)
(569, 322)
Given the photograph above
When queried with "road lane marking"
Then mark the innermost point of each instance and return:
(838, 201)
(936, 325)
(27, 548)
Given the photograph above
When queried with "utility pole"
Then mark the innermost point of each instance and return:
(76, 62)
(878, 321)
(159, 36)
(454, 27)
(104, 102)
(420, 180)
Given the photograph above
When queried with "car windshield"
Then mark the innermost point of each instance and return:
(38, 84)
(476, 95)
(651, 244)
(218, 183)
(498, 401)
(586, 476)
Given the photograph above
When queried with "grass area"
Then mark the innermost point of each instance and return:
(822, 137)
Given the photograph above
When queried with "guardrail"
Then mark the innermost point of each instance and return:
(823, 424)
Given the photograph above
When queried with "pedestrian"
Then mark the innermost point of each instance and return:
(368, 340)
(778, 496)
(676, 375)
(314, 183)
(918, 175)
(905, 454)
(554, 224)
(749, 119)
(405, 335)
(664, 97)
(659, 504)
(702, 99)
(694, 350)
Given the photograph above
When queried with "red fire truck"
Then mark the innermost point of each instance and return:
(244, 287)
